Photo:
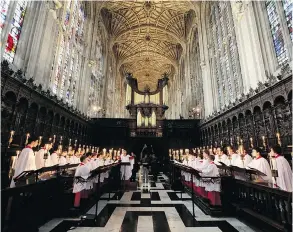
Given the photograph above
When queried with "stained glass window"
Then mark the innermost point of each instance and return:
(4, 8)
(65, 70)
(276, 31)
(76, 75)
(73, 21)
(70, 78)
(288, 8)
(59, 66)
(224, 54)
(15, 31)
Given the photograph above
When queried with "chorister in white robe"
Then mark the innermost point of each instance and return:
(83, 171)
(54, 159)
(101, 163)
(39, 158)
(243, 163)
(211, 171)
(25, 162)
(223, 158)
(284, 179)
(231, 160)
(107, 162)
(126, 170)
(48, 161)
(90, 184)
(201, 164)
(183, 173)
(62, 161)
(262, 165)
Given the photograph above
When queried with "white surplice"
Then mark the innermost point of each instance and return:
(83, 171)
(262, 165)
(243, 163)
(126, 170)
(212, 184)
(39, 158)
(25, 162)
(284, 179)
(231, 160)
(54, 159)
(62, 161)
(223, 158)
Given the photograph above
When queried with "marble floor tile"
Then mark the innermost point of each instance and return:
(145, 195)
(152, 208)
(145, 222)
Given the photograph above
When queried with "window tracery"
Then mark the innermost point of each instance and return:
(276, 32)
(67, 70)
(16, 28)
(223, 52)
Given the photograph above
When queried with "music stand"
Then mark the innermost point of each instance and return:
(24, 176)
(253, 171)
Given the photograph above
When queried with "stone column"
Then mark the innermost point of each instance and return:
(248, 43)
(31, 43)
(205, 67)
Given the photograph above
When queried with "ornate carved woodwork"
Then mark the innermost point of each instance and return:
(27, 108)
(257, 117)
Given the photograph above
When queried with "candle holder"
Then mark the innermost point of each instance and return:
(251, 142)
(279, 139)
(26, 140)
(10, 138)
(40, 141)
(264, 141)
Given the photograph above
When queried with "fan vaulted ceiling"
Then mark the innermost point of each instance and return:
(148, 37)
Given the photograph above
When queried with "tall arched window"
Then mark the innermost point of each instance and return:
(288, 9)
(195, 71)
(69, 52)
(223, 52)
(4, 8)
(277, 11)
(16, 27)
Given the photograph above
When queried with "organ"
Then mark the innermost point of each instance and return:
(147, 108)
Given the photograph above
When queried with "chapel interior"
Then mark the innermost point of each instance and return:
(138, 116)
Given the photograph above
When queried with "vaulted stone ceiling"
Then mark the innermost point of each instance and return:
(148, 37)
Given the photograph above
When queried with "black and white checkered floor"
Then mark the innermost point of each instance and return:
(153, 207)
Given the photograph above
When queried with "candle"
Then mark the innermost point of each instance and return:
(263, 141)
(278, 138)
(26, 140)
(54, 138)
(40, 140)
(11, 138)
